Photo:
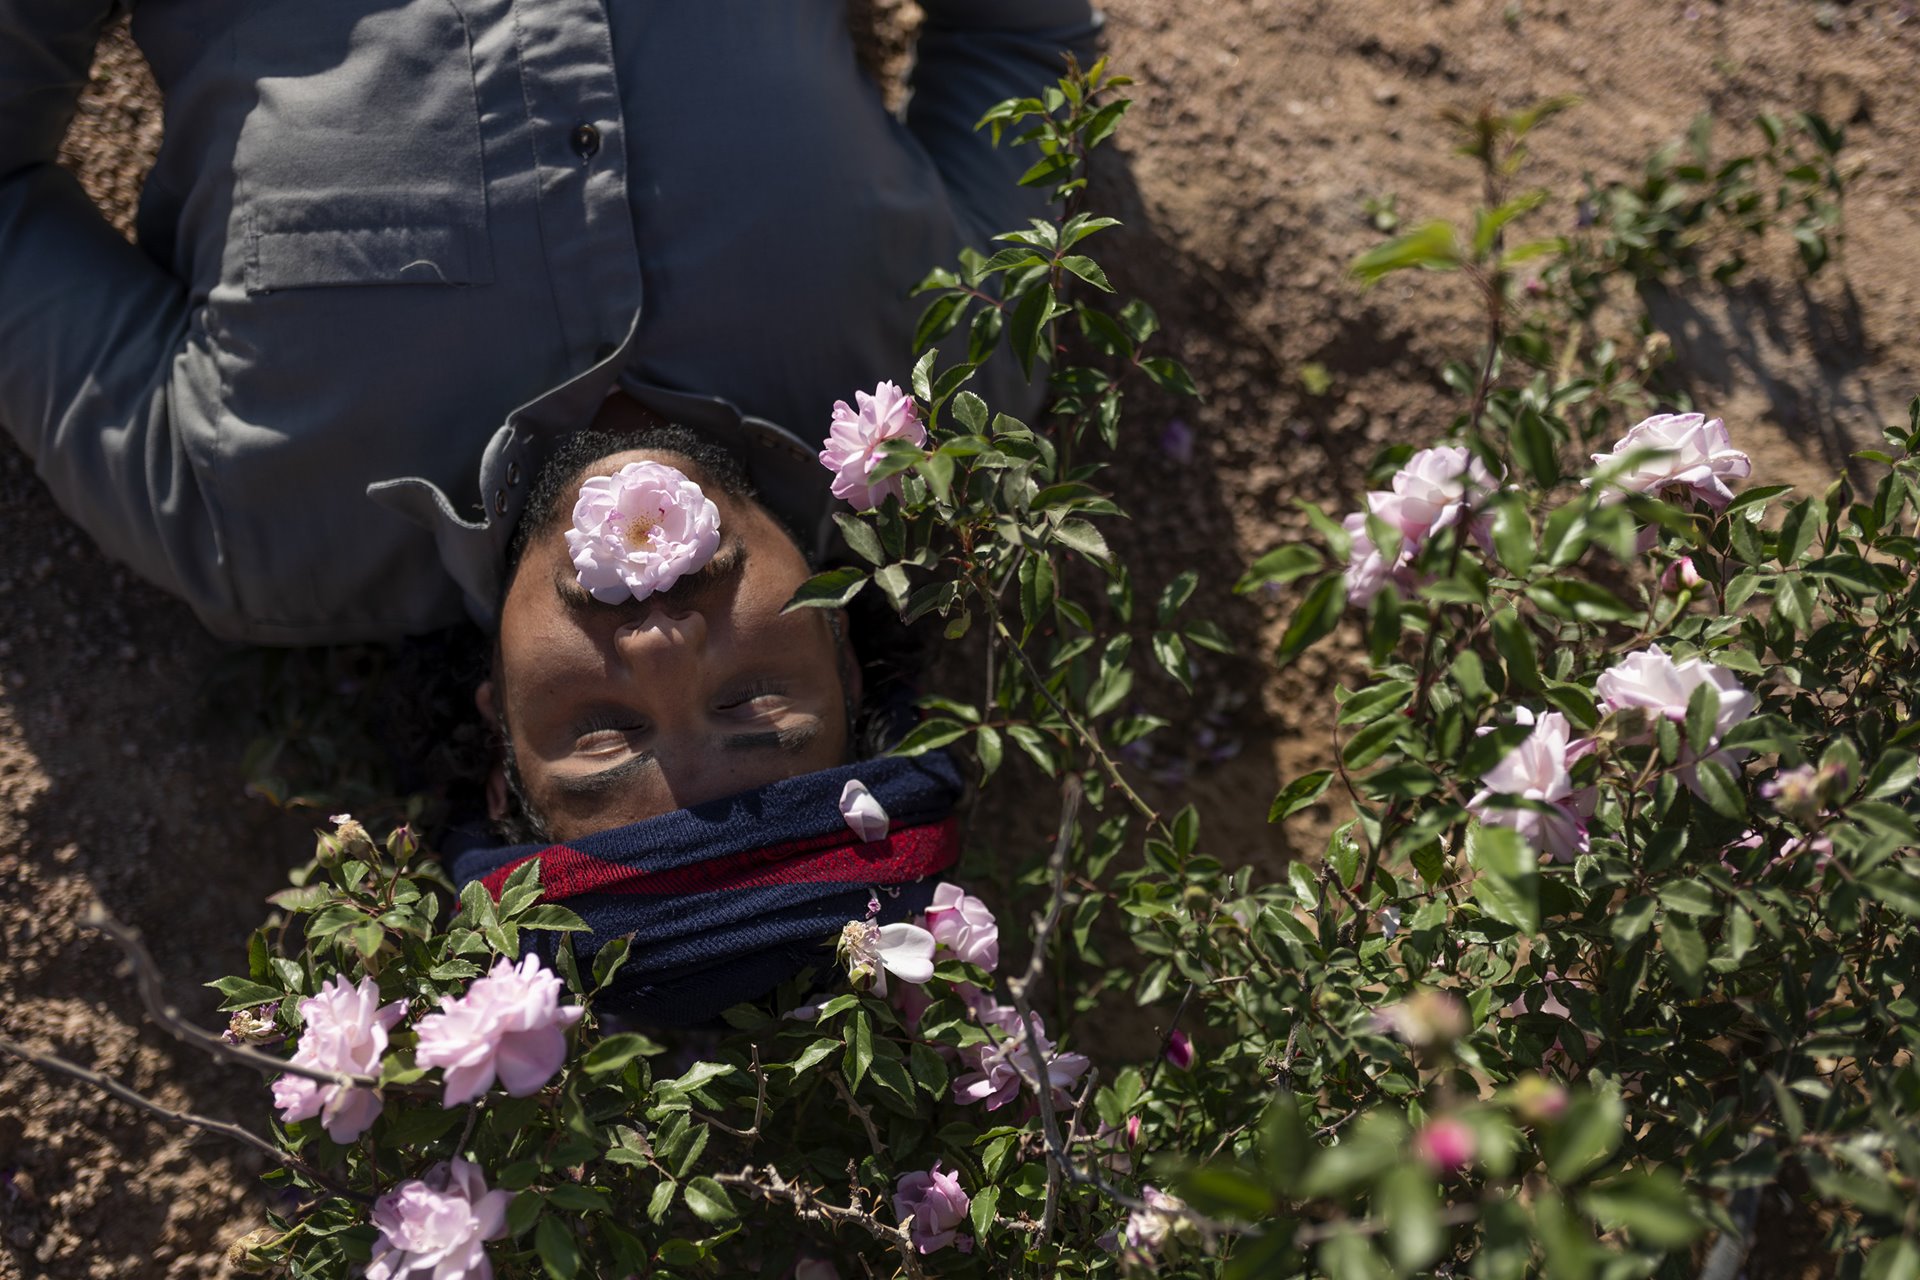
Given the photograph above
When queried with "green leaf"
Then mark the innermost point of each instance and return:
(616, 1051)
(1703, 713)
(931, 734)
(981, 1211)
(1686, 953)
(922, 376)
(1514, 643)
(1087, 269)
(558, 1253)
(1280, 566)
(242, 994)
(1023, 328)
(1223, 1190)
(859, 1055)
(1084, 538)
(1802, 521)
(829, 590)
(1652, 1206)
(1299, 793)
(1508, 887)
(1316, 617)
(709, 1200)
(1592, 1127)
(1169, 375)
(523, 1211)
(1513, 535)
(552, 917)
(1429, 247)
(1409, 1201)
(860, 536)
(608, 959)
(1719, 790)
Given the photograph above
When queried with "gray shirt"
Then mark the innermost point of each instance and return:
(393, 244)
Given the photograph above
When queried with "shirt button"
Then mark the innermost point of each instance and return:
(513, 473)
(500, 502)
(586, 141)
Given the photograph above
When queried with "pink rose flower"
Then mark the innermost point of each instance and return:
(1367, 569)
(1151, 1232)
(1428, 1016)
(344, 1029)
(854, 440)
(1430, 489)
(1537, 769)
(931, 1206)
(1428, 494)
(815, 1269)
(1445, 1145)
(864, 815)
(640, 530)
(1699, 457)
(1679, 576)
(872, 951)
(1179, 1050)
(509, 1024)
(1538, 1100)
(1656, 684)
(996, 1070)
(435, 1229)
(963, 925)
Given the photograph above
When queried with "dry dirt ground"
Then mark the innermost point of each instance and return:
(1261, 128)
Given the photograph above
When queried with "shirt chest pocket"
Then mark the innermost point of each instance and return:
(360, 161)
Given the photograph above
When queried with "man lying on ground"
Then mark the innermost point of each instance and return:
(375, 227)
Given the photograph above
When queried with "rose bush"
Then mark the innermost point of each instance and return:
(1607, 965)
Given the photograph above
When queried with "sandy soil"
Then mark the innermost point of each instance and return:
(1261, 128)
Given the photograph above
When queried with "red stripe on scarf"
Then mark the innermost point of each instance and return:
(904, 855)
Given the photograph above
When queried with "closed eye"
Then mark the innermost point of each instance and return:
(601, 732)
(758, 698)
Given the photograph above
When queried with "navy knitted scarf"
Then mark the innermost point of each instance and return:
(726, 901)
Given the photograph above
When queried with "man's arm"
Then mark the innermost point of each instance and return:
(971, 55)
(89, 325)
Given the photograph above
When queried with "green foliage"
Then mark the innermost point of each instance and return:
(1451, 1044)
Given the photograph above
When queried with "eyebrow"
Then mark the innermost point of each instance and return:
(788, 741)
(725, 568)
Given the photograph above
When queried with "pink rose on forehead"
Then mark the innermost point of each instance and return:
(1699, 456)
(344, 1029)
(963, 925)
(435, 1229)
(932, 1207)
(640, 530)
(510, 1024)
(855, 438)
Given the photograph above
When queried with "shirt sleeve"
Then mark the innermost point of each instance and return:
(971, 55)
(89, 324)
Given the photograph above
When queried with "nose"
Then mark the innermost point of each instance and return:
(658, 637)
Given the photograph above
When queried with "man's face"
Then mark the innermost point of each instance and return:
(623, 712)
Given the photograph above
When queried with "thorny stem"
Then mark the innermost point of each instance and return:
(54, 1063)
(1080, 731)
(809, 1207)
(759, 1105)
(1059, 1159)
(147, 979)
